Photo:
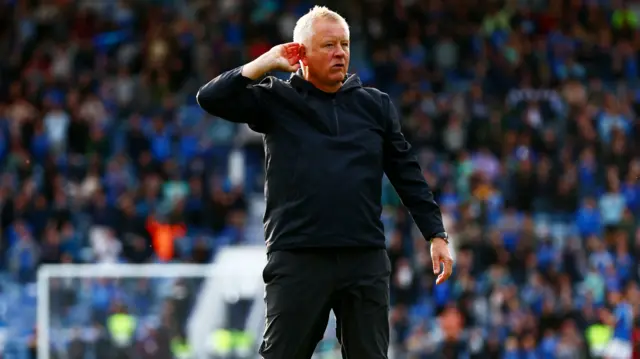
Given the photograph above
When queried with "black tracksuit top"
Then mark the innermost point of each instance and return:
(325, 158)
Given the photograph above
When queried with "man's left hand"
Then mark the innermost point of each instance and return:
(441, 257)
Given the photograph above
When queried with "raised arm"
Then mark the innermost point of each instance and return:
(233, 95)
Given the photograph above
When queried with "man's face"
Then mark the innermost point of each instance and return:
(327, 59)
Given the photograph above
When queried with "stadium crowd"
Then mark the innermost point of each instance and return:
(523, 114)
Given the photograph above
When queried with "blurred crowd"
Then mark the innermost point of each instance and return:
(523, 114)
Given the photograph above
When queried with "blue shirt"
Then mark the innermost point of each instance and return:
(612, 206)
(631, 194)
(588, 221)
(624, 266)
(624, 321)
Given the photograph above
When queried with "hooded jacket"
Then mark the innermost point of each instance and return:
(326, 154)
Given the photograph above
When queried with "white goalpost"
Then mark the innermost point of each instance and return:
(65, 271)
(235, 274)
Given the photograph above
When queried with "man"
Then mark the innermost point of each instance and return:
(328, 141)
(620, 346)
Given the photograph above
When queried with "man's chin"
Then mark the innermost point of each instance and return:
(337, 76)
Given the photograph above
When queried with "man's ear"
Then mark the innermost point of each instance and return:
(303, 54)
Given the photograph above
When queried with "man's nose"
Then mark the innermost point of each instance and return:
(340, 52)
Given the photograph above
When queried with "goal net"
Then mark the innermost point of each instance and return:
(168, 311)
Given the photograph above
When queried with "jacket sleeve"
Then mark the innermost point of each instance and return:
(234, 97)
(403, 170)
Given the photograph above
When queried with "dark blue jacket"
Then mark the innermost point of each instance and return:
(325, 159)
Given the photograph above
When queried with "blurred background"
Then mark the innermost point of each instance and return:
(523, 115)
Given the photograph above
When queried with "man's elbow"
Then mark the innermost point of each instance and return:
(220, 100)
(207, 100)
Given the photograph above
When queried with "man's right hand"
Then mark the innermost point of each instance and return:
(284, 57)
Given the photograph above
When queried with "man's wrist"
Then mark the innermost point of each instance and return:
(256, 68)
(444, 236)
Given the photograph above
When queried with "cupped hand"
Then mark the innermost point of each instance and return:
(286, 57)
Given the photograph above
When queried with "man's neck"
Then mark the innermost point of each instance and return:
(329, 88)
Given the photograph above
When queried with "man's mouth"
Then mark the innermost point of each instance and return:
(338, 66)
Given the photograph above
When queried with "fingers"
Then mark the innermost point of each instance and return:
(291, 49)
(435, 260)
(295, 67)
(292, 54)
(291, 45)
(447, 271)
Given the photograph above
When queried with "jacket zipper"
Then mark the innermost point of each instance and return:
(335, 116)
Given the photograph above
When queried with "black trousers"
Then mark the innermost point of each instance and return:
(302, 287)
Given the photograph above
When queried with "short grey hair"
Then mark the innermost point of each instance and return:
(303, 30)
